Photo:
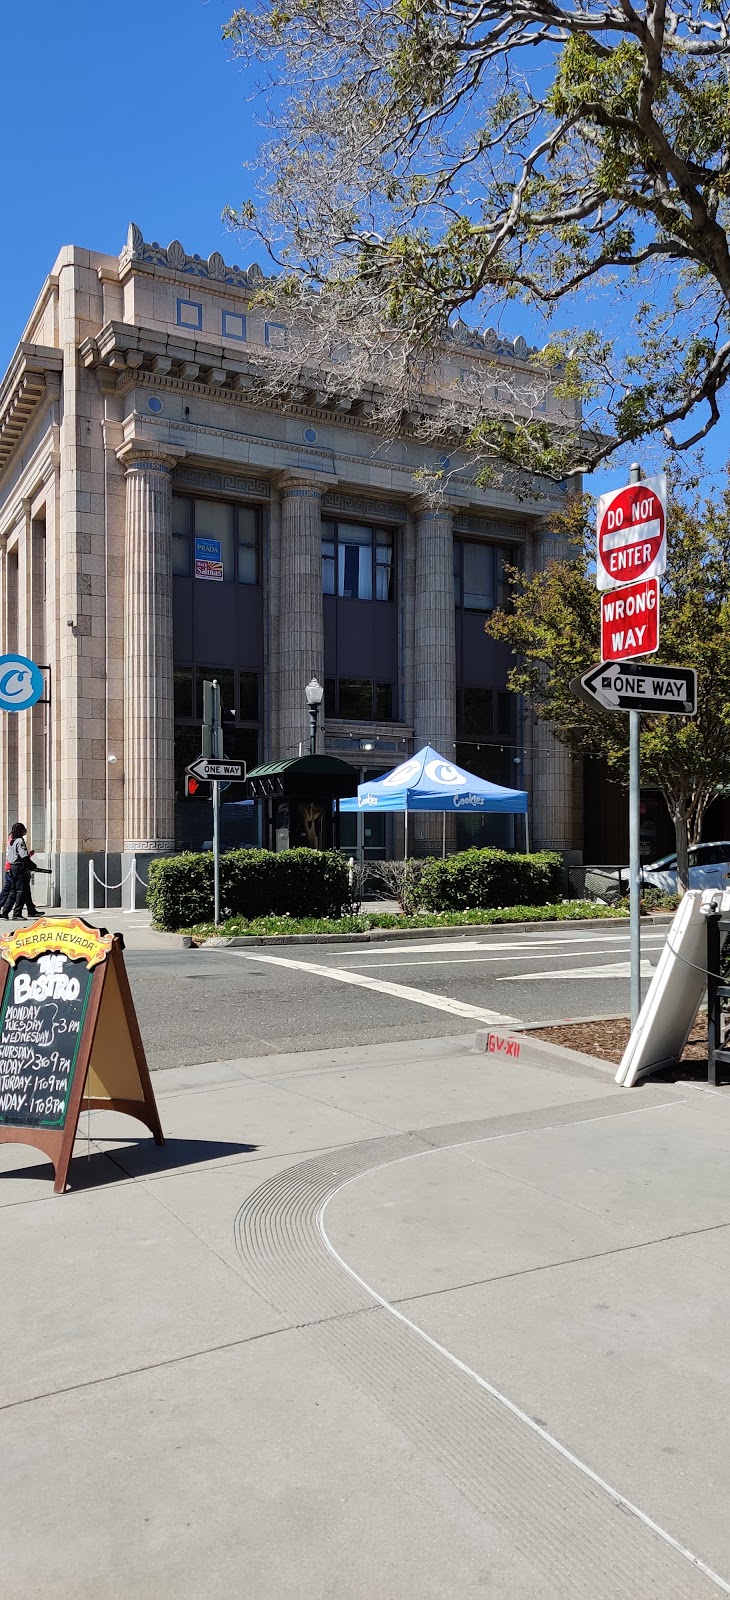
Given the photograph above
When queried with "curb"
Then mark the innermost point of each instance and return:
(509, 1042)
(173, 941)
(384, 935)
(570, 1022)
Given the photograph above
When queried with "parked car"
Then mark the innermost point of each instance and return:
(709, 868)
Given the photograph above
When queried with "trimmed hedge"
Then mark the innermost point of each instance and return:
(479, 879)
(254, 883)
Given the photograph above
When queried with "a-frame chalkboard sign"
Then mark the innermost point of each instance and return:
(69, 1037)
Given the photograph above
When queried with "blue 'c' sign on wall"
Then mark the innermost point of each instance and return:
(21, 683)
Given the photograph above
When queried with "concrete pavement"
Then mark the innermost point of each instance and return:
(395, 1320)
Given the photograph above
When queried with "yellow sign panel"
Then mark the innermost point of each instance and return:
(77, 940)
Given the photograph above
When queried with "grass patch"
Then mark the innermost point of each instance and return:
(365, 921)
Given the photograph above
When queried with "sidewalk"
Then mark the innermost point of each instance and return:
(329, 1341)
(136, 926)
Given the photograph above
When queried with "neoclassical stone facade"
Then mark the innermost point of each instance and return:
(164, 516)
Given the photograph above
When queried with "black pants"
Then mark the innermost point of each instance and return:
(20, 874)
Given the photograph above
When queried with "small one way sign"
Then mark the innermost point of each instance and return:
(625, 686)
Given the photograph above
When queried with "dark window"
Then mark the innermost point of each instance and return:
(348, 555)
(226, 678)
(242, 744)
(383, 565)
(248, 544)
(479, 575)
(187, 747)
(483, 712)
(505, 706)
(183, 679)
(356, 698)
(328, 565)
(227, 533)
(478, 713)
(181, 528)
(384, 702)
(214, 531)
(248, 697)
(359, 700)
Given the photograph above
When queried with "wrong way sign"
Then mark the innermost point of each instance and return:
(630, 621)
(632, 533)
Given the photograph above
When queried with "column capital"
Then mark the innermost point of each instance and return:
(306, 482)
(421, 506)
(144, 456)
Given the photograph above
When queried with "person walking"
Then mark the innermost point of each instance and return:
(8, 893)
(19, 859)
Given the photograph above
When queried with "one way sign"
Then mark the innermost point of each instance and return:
(623, 686)
(204, 769)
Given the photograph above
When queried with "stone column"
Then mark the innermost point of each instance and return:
(148, 681)
(555, 774)
(300, 621)
(434, 692)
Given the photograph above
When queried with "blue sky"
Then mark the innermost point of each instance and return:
(135, 111)
(118, 112)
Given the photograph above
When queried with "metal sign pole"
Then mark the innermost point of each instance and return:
(635, 841)
(216, 852)
(635, 865)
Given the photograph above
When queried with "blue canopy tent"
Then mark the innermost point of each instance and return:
(427, 782)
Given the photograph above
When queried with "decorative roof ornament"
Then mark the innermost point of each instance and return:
(176, 256)
(216, 266)
(517, 349)
(176, 259)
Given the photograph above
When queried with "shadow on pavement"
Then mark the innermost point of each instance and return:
(120, 1161)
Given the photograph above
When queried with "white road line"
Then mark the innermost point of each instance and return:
(616, 969)
(465, 961)
(512, 944)
(400, 991)
(489, 1388)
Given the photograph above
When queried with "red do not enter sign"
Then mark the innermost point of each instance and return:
(632, 534)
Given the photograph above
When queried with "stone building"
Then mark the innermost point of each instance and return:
(163, 520)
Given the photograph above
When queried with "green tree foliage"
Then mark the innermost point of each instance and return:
(553, 626)
(432, 156)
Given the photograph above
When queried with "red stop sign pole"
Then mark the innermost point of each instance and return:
(632, 536)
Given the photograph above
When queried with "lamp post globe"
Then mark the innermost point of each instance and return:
(315, 695)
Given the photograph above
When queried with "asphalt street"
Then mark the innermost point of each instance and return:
(223, 1004)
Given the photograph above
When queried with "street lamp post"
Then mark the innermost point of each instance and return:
(315, 695)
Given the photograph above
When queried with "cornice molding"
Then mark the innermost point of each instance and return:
(34, 372)
(173, 258)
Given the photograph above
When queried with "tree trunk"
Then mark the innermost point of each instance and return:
(679, 818)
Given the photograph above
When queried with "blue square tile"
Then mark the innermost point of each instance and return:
(276, 334)
(233, 325)
(189, 314)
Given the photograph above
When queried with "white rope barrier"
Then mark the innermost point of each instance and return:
(130, 873)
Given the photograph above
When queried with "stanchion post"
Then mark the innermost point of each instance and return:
(91, 886)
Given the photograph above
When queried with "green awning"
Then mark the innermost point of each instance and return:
(303, 778)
